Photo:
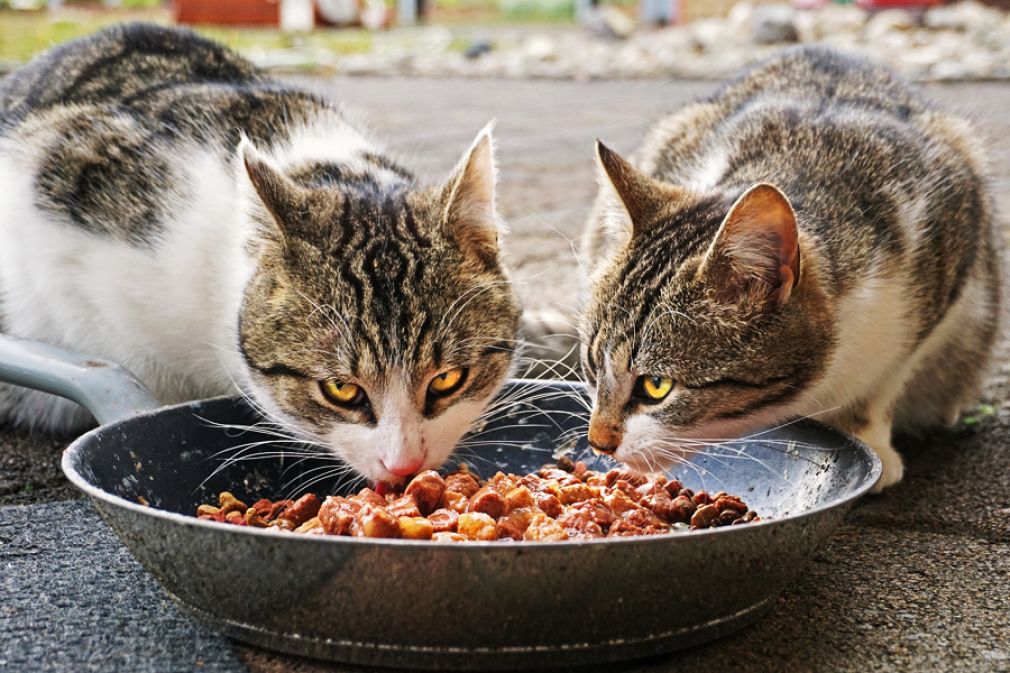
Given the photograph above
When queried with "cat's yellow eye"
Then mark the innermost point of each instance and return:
(447, 382)
(655, 388)
(341, 393)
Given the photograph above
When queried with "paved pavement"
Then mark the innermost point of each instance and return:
(915, 580)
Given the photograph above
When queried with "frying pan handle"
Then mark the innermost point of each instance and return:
(105, 389)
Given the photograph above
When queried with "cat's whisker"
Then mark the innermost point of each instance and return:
(795, 420)
(675, 444)
(294, 487)
(678, 460)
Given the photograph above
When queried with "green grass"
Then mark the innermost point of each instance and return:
(25, 34)
(978, 414)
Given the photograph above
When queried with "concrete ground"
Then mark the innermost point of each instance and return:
(917, 579)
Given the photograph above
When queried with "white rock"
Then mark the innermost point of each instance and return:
(967, 15)
(832, 20)
(540, 48)
(886, 22)
(773, 24)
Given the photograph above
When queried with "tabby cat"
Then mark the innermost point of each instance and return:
(168, 207)
(814, 239)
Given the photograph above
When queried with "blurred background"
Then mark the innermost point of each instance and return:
(928, 40)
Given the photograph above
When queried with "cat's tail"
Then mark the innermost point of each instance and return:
(551, 348)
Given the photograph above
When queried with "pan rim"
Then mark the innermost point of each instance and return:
(72, 452)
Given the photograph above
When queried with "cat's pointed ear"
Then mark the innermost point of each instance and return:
(757, 250)
(642, 197)
(470, 211)
(280, 197)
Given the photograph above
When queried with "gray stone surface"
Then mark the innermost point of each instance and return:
(917, 579)
(75, 600)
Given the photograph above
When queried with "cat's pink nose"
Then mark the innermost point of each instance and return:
(405, 469)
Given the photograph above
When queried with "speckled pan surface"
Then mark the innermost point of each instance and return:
(492, 605)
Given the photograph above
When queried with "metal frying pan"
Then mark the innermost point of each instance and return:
(416, 604)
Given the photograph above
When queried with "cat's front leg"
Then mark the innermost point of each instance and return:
(876, 433)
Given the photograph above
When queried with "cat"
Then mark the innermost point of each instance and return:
(815, 239)
(167, 206)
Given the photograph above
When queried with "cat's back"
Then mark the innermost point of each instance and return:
(163, 82)
(870, 165)
(119, 65)
(113, 132)
(825, 77)
(806, 108)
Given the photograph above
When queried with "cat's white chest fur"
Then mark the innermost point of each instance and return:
(173, 301)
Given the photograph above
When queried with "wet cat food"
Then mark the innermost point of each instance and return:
(559, 502)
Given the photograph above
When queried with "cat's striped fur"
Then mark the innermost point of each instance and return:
(861, 286)
(167, 206)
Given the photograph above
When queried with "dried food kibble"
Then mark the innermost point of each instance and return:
(730, 502)
(229, 503)
(702, 498)
(704, 517)
(567, 464)
(559, 502)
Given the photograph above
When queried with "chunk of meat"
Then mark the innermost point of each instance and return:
(477, 526)
(336, 514)
(580, 523)
(415, 528)
(455, 501)
(405, 505)
(577, 492)
(514, 524)
(461, 482)
(549, 504)
(426, 489)
(519, 497)
(372, 521)
(302, 509)
(624, 474)
(369, 496)
(443, 520)
(543, 528)
(618, 502)
(489, 502)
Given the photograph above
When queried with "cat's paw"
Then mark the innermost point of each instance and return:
(893, 468)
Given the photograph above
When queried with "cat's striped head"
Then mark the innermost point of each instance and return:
(379, 321)
(704, 323)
